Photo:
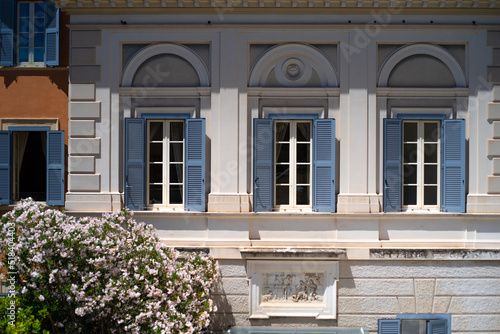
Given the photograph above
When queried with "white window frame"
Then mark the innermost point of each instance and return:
(421, 167)
(31, 52)
(292, 206)
(165, 205)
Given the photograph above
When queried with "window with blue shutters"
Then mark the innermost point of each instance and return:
(29, 33)
(294, 164)
(438, 323)
(32, 161)
(165, 164)
(424, 164)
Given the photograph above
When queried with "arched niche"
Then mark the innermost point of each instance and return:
(155, 54)
(293, 65)
(421, 65)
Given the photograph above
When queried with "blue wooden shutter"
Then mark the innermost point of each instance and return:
(437, 327)
(55, 167)
(51, 34)
(453, 166)
(5, 174)
(263, 170)
(195, 164)
(7, 32)
(135, 171)
(389, 326)
(324, 165)
(392, 165)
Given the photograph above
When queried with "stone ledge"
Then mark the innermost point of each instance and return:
(435, 254)
(270, 252)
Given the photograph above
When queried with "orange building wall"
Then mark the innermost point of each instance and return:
(38, 92)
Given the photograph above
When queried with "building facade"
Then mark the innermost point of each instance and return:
(341, 159)
(34, 59)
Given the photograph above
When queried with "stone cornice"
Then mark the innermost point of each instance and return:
(447, 7)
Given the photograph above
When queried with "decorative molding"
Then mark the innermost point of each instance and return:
(53, 123)
(154, 92)
(165, 48)
(293, 289)
(426, 49)
(422, 92)
(294, 253)
(288, 92)
(435, 254)
(293, 64)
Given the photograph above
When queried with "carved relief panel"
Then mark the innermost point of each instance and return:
(293, 289)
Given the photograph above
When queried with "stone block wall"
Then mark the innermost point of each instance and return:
(369, 290)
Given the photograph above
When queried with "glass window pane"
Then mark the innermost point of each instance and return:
(24, 40)
(430, 174)
(282, 195)
(414, 327)
(431, 132)
(430, 152)
(410, 174)
(176, 152)
(282, 131)
(176, 131)
(303, 174)
(39, 54)
(39, 40)
(303, 131)
(176, 194)
(176, 173)
(24, 9)
(303, 153)
(155, 194)
(155, 173)
(282, 174)
(156, 152)
(23, 55)
(156, 131)
(410, 153)
(40, 9)
(409, 195)
(282, 152)
(39, 25)
(303, 195)
(409, 131)
(24, 24)
(430, 195)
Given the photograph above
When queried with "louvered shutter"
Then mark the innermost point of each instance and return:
(195, 164)
(55, 168)
(7, 32)
(324, 165)
(389, 326)
(135, 171)
(453, 166)
(392, 165)
(5, 172)
(263, 170)
(437, 327)
(51, 34)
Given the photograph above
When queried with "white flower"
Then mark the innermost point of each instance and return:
(41, 297)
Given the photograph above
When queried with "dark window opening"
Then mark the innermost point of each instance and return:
(30, 165)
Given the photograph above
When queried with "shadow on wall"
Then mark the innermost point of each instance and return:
(59, 77)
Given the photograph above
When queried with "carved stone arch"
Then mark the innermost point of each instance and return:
(294, 63)
(165, 48)
(418, 49)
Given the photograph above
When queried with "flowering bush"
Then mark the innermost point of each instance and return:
(108, 275)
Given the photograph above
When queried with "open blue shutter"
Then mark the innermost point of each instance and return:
(453, 166)
(195, 164)
(135, 171)
(7, 32)
(324, 165)
(55, 168)
(389, 326)
(437, 327)
(392, 165)
(51, 34)
(5, 167)
(263, 165)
